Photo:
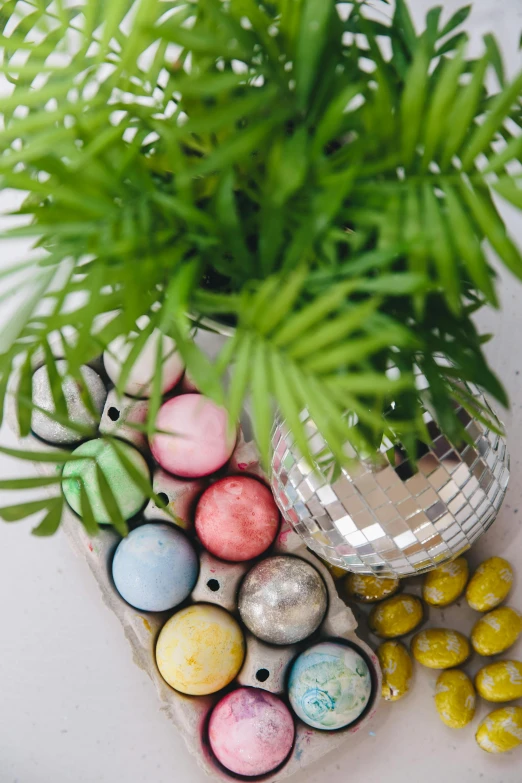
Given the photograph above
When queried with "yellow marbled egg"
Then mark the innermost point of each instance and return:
(496, 631)
(397, 670)
(445, 584)
(440, 648)
(396, 616)
(490, 584)
(455, 698)
(367, 588)
(501, 730)
(200, 649)
(500, 681)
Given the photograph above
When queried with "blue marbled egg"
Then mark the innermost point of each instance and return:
(330, 686)
(155, 567)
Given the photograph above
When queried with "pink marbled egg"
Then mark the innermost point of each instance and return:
(251, 732)
(200, 442)
(237, 518)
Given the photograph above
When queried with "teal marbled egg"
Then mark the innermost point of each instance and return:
(330, 686)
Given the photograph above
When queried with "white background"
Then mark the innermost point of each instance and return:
(75, 709)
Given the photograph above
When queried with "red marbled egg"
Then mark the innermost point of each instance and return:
(237, 518)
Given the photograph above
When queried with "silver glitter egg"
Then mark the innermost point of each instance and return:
(385, 516)
(282, 600)
(52, 431)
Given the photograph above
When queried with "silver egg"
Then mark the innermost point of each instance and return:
(52, 431)
(282, 600)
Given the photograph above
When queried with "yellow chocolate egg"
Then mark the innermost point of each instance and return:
(500, 681)
(446, 583)
(367, 588)
(397, 669)
(440, 648)
(490, 584)
(496, 631)
(396, 616)
(455, 698)
(200, 649)
(501, 730)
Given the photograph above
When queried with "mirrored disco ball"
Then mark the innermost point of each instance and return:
(383, 516)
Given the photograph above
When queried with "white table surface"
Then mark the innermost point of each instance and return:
(75, 709)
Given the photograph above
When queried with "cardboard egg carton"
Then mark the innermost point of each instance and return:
(265, 666)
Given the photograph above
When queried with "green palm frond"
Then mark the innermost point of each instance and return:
(270, 164)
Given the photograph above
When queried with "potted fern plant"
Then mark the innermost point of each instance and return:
(318, 183)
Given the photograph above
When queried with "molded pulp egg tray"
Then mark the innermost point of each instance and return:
(265, 666)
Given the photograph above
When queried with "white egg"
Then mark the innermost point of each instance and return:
(139, 382)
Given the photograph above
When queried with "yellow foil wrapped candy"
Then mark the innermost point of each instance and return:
(445, 584)
(396, 616)
(490, 584)
(200, 649)
(367, 588)
(440, 648)
(501, 730)
(397, 670)
(500, 681)
(496, 631)
(455, 698)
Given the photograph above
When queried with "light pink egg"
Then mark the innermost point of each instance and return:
(237, 518)
(200, 442)
(251, 732)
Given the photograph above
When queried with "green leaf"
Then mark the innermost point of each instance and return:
(496, 115)
(465, 108)
(333, 331)
(452, 43)
(442, 99)
(395, 284)
(491, 224)
(51, 522)
(289, 403)
(315, 18)
(240, 375)
(292, 166)
(440, 244)
(370, 383)
(24, 391)
(402, 20)
(31, 482)
(23, 510)
(495, 57)
(508, 189)
(51, 456)
(468, 246)
(413, 100)
(87, 515)
(17, 323)
(330, 122)
(510, 151)
(262, 417)
(155, 395)
(352, 353)
(283, 301)
(110, 503)
(458, 18)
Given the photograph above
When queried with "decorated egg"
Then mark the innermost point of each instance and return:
(330, 686)
(496, 631)
(396, 616)
(201, 441)
(440, 648)
(445, 584)
(237, 518)
(200, 650)
(155, 567)
(501, 730)
(251, 732)
(145, 365)
(500, 681)
(455, 698)
(103, 454)
(51, 431)
(490, 584)
(282, 600)
(397, 670)
(367, 588)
